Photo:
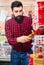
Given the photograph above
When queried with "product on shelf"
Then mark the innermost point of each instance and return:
(31, 35)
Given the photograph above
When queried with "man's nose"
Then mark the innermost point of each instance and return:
(18, 13)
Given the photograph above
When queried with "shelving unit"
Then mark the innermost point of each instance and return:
(39, 49)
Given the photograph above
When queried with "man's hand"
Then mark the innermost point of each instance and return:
(23, 39)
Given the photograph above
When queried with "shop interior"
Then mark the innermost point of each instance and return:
(35, 9)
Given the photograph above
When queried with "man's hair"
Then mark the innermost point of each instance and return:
(16, 4)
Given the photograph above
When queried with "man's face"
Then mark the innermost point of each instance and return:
(18, 14)
(17, 11)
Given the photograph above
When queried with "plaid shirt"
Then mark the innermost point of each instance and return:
(14, 29)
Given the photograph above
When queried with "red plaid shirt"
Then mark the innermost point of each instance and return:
(14, 29)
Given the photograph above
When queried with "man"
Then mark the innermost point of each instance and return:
(17, 30)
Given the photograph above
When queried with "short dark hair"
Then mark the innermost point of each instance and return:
(16, 4)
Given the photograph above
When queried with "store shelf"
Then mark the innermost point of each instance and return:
(5, 59)
(39, 49)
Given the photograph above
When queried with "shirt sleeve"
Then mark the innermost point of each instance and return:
(9, 34)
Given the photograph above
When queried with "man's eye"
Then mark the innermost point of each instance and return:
(20, 10)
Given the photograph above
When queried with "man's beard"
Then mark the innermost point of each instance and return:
(19, 18)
